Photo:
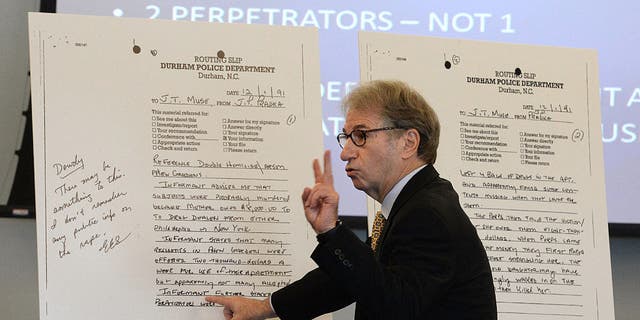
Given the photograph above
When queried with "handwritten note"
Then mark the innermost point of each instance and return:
(175, 172)
(521, 142)
(89, 208)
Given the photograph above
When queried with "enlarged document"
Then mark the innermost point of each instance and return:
(521, 142)
(169, 160)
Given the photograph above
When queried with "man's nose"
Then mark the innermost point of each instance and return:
(348, 151)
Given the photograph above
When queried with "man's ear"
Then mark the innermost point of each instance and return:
(411, 141)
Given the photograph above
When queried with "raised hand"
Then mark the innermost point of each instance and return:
(321, 201)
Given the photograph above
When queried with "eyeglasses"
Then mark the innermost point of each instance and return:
(358, 136)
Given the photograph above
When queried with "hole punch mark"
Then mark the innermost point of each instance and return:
(518, 72)
(136, 48)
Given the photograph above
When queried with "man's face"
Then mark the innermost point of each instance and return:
(372, 167)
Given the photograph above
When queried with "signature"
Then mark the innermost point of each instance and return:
(110, 244)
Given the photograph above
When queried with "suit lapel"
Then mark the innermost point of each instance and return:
(417, 182)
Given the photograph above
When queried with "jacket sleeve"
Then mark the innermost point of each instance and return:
(419, 264)
(313, 295)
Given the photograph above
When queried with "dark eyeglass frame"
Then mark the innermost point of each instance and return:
(342, 137)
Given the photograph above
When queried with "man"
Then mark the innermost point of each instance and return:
(428, 262)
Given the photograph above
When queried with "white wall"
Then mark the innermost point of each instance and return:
(14, 85)
(625, 267)
(18, 269)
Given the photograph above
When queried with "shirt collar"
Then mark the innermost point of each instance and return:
(391, 197)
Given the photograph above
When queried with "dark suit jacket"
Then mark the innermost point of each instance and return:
(429, 264)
